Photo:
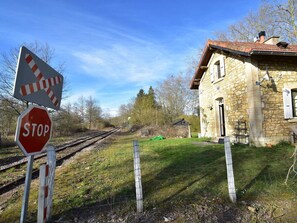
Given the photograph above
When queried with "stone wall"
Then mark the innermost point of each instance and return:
(283, 71)
(232, 89)
(259, 106)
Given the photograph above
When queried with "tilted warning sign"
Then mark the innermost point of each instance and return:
(36, 81)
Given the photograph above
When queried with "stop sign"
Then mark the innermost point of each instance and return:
(33, 130)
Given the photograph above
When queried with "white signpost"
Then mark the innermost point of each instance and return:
(32, 134)
(39, 83)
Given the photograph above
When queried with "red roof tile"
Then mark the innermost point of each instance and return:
(241, 48)
(250, 48)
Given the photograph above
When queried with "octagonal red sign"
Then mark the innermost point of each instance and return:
(33, 130)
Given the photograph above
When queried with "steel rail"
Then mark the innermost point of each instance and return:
(19, 181)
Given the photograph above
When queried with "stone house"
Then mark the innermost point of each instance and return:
(248, 90)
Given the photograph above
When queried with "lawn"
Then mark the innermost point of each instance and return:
(174, 172)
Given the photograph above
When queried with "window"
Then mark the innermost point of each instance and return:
(290, 103)
(217, 70)
(294, 102)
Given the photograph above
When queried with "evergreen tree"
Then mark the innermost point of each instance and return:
(140, 94)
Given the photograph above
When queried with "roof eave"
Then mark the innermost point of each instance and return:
(241, 53)
(273, 53)
(199, 71)
(205, 59)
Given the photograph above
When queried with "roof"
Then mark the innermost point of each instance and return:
(180, 122)
(247, 49)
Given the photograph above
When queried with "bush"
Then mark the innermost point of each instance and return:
(7, 142)
(194, 121)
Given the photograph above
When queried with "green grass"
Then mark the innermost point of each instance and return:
(174, 171)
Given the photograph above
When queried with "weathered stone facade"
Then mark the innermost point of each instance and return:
(231, 88)
(283, 71)
(236, 97)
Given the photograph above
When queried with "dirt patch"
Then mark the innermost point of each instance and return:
(207, 210)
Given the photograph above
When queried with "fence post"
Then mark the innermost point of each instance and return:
(51, 160)
(189, 131)
(46, 186)
(137, 173)
(43, 193)
(229, 165)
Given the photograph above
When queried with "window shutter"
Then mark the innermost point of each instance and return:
(222, 66)
(288, 110)
(212, 73)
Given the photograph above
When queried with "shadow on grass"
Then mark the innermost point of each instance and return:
(260, 175)
(183, 189)
(180, 167)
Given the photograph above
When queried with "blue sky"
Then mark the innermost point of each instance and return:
(113, 48)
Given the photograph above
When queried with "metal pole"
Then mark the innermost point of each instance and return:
(27, 189)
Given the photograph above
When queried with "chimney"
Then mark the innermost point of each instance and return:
(272, 40)
(262, 36)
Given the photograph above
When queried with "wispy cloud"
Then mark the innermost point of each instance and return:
(86, 93)
(128, 63)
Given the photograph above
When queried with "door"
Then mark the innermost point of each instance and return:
(222, 118)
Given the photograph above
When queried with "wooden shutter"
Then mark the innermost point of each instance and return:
(288, 109)
(222, 66)
(212, 73)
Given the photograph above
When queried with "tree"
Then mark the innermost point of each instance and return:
(277, 18)
(175, 97)
(286, 16)
(125, 113)
(152, 98)
(143, 110)
(93, 112)
(79, 108)
(66, 120)
(140, 94)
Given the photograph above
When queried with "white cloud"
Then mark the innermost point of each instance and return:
(136, 63)
(82, 93)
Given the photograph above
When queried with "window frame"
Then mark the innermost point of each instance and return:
(217, 71)
(294, 102)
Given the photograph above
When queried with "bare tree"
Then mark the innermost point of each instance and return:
(277, 18)
(93, 112)
(79, 109)
(286, 17)
(175, 96)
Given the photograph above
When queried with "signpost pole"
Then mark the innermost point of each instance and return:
(27, 189)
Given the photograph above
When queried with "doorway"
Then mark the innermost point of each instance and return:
(222, 117)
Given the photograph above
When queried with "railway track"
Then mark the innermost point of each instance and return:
(13, 175)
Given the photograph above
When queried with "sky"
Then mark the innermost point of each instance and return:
(113, 48)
